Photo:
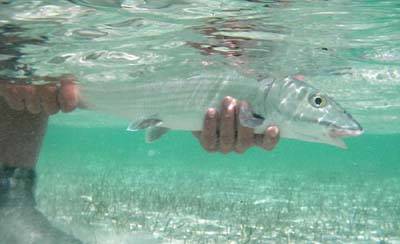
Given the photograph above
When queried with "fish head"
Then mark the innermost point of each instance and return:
(310, 115)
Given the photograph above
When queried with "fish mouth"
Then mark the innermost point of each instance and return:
(336, 135)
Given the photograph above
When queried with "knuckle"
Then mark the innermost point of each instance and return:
(12, 91)
(48, 92)
(28, 89)
(227, 99)
(229, 114)
(209, 123)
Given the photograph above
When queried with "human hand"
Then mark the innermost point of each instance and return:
(223, 131)
(49, 98)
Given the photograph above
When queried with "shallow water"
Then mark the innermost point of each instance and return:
(114, 188)
(114, 185)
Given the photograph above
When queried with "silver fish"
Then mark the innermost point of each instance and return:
(301, 111)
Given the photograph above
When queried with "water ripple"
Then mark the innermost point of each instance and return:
(331, 43)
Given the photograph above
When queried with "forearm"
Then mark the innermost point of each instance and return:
(21, 136)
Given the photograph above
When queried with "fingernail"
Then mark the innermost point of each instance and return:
(211, 113)
(226, 101)
(232, 104)
(228, 98)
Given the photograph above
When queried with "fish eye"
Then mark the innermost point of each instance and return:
(317, 100)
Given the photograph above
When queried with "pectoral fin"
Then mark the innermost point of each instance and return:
(154, 133)
(153, 126)
(248, 118)
(144, 123)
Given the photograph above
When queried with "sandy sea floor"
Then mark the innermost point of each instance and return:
(106, 185)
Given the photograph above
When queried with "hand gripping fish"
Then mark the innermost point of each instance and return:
(300, 111)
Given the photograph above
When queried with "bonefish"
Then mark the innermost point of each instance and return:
(301, 111)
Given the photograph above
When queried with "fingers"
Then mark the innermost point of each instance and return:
(37, 98)
(223, 131)
(227, 125)
(208, 136)
(219, 130)
(269, 139)
(20, 97)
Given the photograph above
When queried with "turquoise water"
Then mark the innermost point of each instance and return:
(106, 185)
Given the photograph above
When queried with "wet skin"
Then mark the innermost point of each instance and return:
(221, 132)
